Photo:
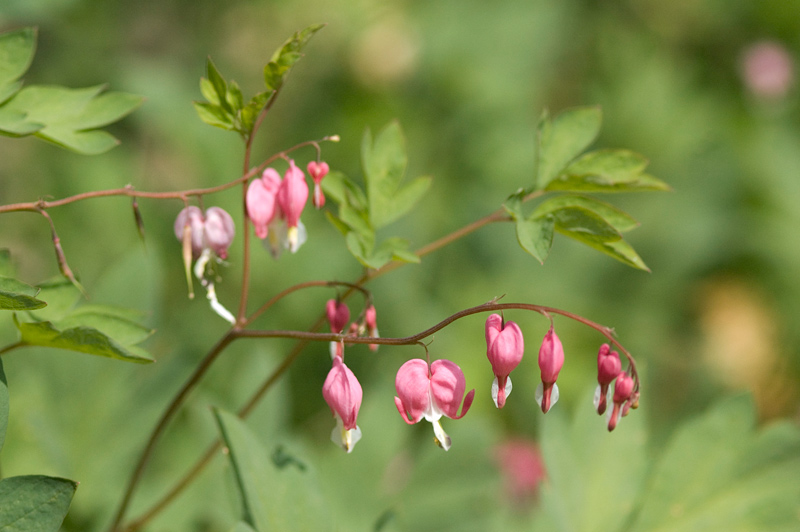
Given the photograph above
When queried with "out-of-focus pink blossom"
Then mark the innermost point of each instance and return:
(768, 69)
(522, 467)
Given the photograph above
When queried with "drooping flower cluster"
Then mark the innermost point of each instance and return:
(609, 369)
(275, 205)
(206, 238)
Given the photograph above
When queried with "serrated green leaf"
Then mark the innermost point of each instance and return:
(623, 252)
(355, 220)
(360, 246)
(17, 49)
(286, 499)
(620, 220)
(584, 225)
(251, 111)
(607, 171)
(341, 189)
(719, 474)
(70, 116)
(562, 139)
(16, 295)
(34, 503)
(219, 84)
(234, 97)
(536, 236)
(213, 115)
(208, 91)
(286, 56)
(81, 339)
(3, 406)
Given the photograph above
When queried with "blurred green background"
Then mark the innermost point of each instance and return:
(467, 81)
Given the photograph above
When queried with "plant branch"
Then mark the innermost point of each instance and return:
(11, 347)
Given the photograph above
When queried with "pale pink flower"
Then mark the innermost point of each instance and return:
(292, 197)
(317, 171)
(261, 202)
(551, 359)
(430, 393)
(504, 348)
(343, 394)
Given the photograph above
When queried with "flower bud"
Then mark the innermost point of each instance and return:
(608, 367)
(343, 394)
(504, 349)
(317, 171)
(623, 389)
(551, 359)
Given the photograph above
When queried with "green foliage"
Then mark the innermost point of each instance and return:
(225, 107)
(273, 498)
(69, 118)
(387, 198)
(562, 168)
(717, 474)
(17, 49)
(34, 503)
(92, 329)
(14, 294)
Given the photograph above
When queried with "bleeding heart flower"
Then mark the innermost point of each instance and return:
(317, 171)
(504, 348)
(430, 393)
(608, 367)
(343, 394)
(551, 359)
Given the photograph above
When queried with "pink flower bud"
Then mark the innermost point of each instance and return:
(431, 393)
(261, 201)
(343, 394)
(338, 315)
(193, 218)
(551, 359)
(623, 389)
(317, 171)
(371, 319)
(219, 231)
(504, 348)
(292, 197)
(608, 367)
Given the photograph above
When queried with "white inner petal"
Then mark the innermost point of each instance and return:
(442, 439)
(539, 395)
(495, 390)
(224, 313)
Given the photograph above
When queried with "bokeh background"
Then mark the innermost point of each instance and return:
(707, 90)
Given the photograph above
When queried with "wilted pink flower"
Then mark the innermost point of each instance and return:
(431, 393)
(214, 230)
(551, 359)
(261, 201)
(768, 69)
(622, 392)
(292, 197)
(343, 394)
(317, 171)
(523, 468)
(608, 367)
(504, 348)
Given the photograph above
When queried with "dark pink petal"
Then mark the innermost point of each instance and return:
(551, 357)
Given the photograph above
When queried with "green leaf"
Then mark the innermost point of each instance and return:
(563, 138)
(286, 56)
(536, 236)
(34, 503)
(513, 205)
(251, 111)
(584, 225)
(624, 252)
(620, 220)
(208, 91)
(61, 296)
(71, 116)
(6, 266)
(17, 49)
(719, 474)
(3, 406)
(16, 124)
(213, 115)
(360, 246)
(384, 162)
(607, 171)
(219, 84)
(114, 322)
(241, 526)
(82, 339)
(234, 97)
(343, 190)
(16, 295)
(355, 220)
(285, 499)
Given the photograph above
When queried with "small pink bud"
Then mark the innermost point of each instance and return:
(608, 367)
(431, 393)
(623, 389)
(338, 315)
(343, 394)
(317, 171)
(371, 319)
(261, 201)
(504, 349)
(219, 231)
(551, 359)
